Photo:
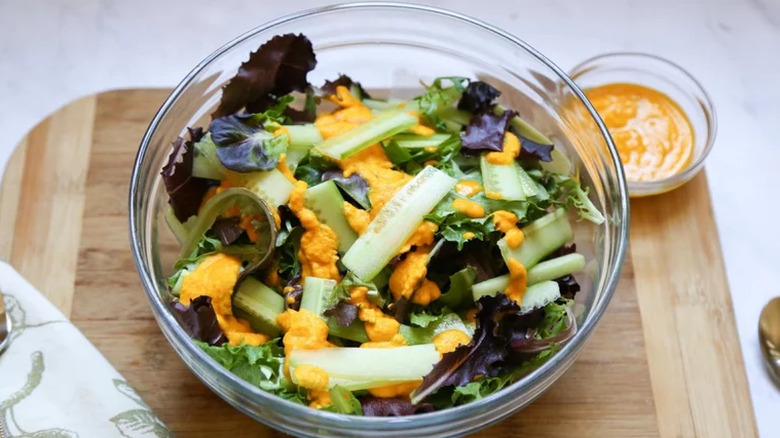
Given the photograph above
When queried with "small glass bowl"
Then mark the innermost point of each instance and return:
(669, 78)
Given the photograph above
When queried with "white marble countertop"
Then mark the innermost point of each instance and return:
(54, 52)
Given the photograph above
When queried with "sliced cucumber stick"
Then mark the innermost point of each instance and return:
(414, 141)
(384, 125)
(317, 293)
(502, 181)
(326, 202)
(259, 305)
(542, 237)
(271, 185)
(396, 222)
(528, 185)
(490, 287)
(535, 296)
(303, 136)
(544, 271)
(556, 268)
(370, 364)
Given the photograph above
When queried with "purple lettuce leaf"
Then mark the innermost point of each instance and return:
(278, 67)
(530, 150)
(355, 187)
(485, 132)
(199, 320)
(185, 192)
(391, 407)
(344, 312)
(569, 286)
(400, 309)
(482, 356)
(227, 230)
(329, 87)
(478, 97)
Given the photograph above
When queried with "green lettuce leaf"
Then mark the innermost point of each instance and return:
(261, 366)
(454, 224)
(459, 295)
(343, 402)
(423, 319)
(312, 167)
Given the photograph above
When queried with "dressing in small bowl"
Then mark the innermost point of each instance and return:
(660, 118)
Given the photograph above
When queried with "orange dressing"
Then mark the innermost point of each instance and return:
(651, 132)
(469, 208)
(467, 187)
(215, 277)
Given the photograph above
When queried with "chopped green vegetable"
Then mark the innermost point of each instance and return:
(326, 202)
(542, 237)
(396, 222)
(382, 126)
(261, 366)
(317, 295)
(368, 367)
(343, 402)
(259, 305)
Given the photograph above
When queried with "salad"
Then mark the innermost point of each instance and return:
(371, 256)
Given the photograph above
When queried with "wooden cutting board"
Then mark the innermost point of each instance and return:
(665, 360)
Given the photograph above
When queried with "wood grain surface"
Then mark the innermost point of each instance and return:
(665, 360)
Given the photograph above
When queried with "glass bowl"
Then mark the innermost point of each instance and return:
(392, 47)
(669, 78)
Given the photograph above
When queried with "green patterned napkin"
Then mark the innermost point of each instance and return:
(55, 384)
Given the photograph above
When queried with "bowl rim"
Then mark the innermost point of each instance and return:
(657, 186)
(285, 407)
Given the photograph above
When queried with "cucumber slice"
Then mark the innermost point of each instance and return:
(357, 385)
(376, 104)
(303, 136)
(556, 268)
(560, 163)
(544, 271)
(369, 365)
(205, 163)
(524, 128)
(490, 287)
(413, 141)
(259, 305)
(535, 296)
(354, 332)
(271, 185)
(294, 157)
(178, 229)
(397, 220)
(542, 237)
(539, 295)
(503, 180)
(384, 125)
(326, 202)
(317, 294)
(528, 185)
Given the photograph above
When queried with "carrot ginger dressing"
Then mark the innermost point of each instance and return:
(651, 132)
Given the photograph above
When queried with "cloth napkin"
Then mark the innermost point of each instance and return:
(54, 383)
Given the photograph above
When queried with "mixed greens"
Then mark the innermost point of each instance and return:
(414, 255)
